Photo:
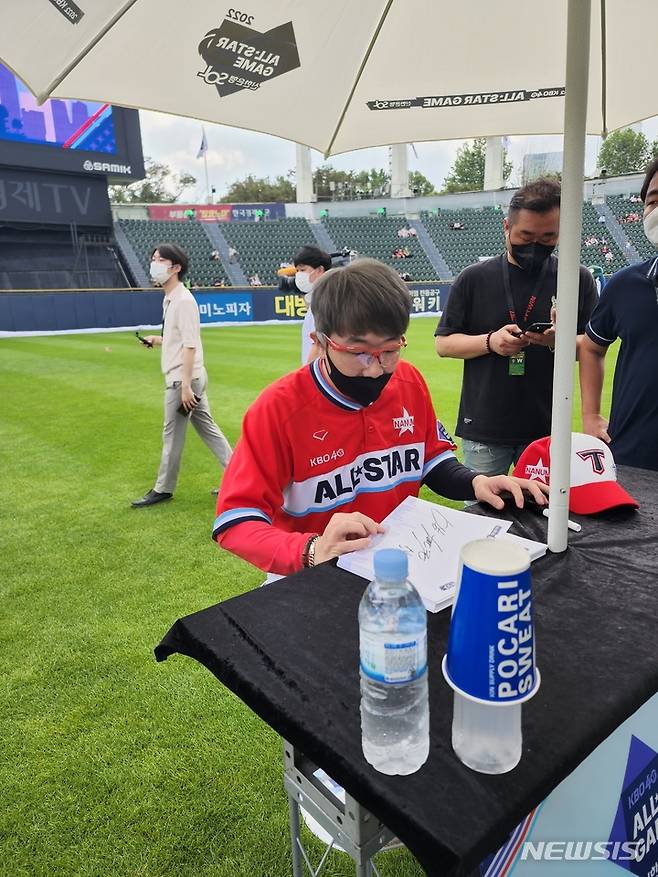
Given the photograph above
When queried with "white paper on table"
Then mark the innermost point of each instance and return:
(432, 536)
(534, 549)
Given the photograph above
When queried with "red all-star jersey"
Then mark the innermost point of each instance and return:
(307, 451)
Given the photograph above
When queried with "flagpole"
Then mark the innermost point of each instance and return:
(205, 164)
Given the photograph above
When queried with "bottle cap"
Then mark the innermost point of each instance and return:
(391, 565)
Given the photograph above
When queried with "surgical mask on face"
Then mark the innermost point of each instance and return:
(531, 257)
(303, 282)
(362, 389)
(159, 272)
(651, 226)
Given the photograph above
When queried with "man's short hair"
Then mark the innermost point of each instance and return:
(314, 257)
(540, 196)
(365, 296)
(652, 170)
(174, 254)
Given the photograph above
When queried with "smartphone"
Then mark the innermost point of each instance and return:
(539, 327)
(143, 340)
(183, 410)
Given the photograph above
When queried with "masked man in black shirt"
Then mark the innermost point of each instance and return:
(499, 319)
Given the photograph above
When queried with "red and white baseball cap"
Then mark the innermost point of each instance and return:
(594, 485)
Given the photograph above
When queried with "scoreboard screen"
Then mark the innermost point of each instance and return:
(68, 135)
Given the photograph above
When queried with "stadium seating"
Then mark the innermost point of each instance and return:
(594, 255)
(145, 234)
(49, 258)
(481, 235)
(621, 206)
(377, 236)
(262, 246)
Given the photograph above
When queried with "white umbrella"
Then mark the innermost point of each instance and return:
(342, 75)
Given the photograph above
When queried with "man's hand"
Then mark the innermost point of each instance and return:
(594, 424)
(188, 399)
(343, 533)
(488, 489)
(504, 342)
(154, 340)
(543, 339)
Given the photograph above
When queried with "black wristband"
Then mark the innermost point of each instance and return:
(488, 342)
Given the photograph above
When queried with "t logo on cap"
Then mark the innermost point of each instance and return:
(596, 457)
(593, 479)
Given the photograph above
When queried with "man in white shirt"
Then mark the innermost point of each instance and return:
(310, 264)
(186, 379)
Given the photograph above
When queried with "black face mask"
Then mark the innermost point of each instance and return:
(363, 390)
(531, 257)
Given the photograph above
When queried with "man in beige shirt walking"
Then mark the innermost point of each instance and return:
(186, 379)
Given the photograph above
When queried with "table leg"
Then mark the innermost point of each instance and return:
(364, 869)
(293, 821)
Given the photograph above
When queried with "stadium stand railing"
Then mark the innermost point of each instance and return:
(145, 234)
(481, 235)
(56, 258)
(262, 246)
(595, 253)
(623, 207)
(377, 237)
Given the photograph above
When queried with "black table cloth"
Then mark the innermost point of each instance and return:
(290, 651)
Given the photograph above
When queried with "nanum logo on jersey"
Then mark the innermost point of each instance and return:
(404, 423)
(369, 472)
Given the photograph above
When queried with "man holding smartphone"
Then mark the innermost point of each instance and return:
(499, 320)
(186, 379)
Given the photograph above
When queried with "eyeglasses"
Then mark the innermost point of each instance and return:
(386, 356)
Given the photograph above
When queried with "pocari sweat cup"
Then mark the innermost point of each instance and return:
(490, 662)
(491, 652)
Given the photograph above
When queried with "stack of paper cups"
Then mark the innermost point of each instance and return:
(490, 663)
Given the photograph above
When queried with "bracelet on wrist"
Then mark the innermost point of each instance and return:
(488, 342)
(311, 551)
(308, 554)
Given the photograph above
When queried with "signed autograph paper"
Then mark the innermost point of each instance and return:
(431, 535)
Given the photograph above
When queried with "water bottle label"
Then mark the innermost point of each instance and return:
(396, 659)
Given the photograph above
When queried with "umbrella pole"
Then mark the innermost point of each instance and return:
(573, 168)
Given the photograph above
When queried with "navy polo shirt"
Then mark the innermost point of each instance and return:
(628, 309)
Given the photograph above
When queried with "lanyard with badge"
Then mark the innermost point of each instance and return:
(517, 360)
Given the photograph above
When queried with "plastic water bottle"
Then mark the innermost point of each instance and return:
(393, 666)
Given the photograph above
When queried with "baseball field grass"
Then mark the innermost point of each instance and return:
(113, 764)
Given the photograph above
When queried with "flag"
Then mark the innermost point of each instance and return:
(204, 145)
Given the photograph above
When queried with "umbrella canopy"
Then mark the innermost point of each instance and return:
(343, 75)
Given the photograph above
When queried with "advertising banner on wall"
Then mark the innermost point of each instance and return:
(257, 212)
(218, 212)
(428, 298)
(202, 212)
(81, 310)
(31, 196)
(225, 307)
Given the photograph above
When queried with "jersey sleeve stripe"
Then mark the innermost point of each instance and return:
(435, 461)
(237, 516)
(591, 331)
